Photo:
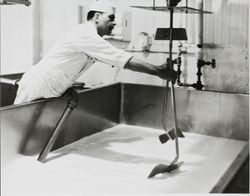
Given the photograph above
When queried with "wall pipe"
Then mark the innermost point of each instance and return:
(199, 31)
(199, 54)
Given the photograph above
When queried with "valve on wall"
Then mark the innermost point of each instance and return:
(11, 2)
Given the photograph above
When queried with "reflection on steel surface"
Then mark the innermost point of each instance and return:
(25, 128)
(210, 113)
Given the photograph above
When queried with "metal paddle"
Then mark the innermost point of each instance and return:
(162, 168)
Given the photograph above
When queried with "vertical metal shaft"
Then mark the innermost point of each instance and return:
(165, 104)
(164, 117)
(171, 36)
(172, 86)
(175, 124)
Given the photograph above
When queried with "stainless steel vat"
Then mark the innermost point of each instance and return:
(25, 128)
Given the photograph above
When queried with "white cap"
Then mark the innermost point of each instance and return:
(102, 6)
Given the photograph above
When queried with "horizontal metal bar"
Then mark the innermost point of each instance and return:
(185, 9)
(13, 82)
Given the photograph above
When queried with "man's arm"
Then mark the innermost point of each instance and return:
(162, 71)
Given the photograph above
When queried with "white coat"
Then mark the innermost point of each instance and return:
(70, 57)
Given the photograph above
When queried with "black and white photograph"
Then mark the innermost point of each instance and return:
(124, 97)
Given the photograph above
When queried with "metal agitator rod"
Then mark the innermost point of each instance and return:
(172, 88)
(162, 168)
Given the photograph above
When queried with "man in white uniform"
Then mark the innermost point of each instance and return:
(75, 52)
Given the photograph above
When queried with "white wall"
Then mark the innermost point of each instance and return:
(16, 38)
(225, 35)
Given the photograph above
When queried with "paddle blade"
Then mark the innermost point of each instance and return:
(161, 168)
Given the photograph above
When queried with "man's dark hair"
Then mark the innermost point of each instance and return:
(91, 14)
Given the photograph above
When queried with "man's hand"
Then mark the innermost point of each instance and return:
(166, 73)
(163, 71)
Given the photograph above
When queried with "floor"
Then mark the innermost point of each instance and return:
(117, 162)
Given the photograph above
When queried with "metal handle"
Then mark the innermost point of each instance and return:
(55, 134)
(164, 124)
(9, 81)
(72, 103)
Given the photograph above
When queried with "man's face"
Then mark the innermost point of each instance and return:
(105, 24)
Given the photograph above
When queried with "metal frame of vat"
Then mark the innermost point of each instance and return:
(26, 127)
